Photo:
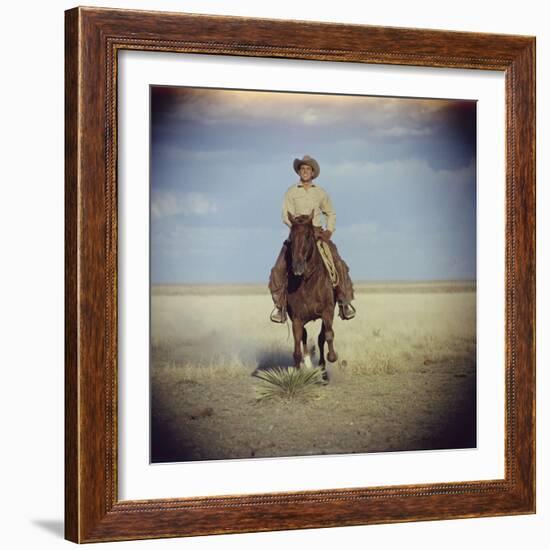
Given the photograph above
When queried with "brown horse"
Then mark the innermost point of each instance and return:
(310, 294)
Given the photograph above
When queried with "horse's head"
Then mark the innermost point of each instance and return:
(302, 241)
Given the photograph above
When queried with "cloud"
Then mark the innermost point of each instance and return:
(400, 171)
(404, 131)
(230, 127)
(170, 203)
(180, 152)
(399, 116)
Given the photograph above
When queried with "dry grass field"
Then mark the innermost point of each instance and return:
(405, 378)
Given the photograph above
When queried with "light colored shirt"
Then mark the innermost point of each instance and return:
(301, 201)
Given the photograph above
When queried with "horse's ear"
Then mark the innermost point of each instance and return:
(310, 217)
(290, 217)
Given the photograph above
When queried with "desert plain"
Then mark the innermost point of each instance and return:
(405, 378)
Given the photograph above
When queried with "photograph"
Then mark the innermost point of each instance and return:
(312, 274)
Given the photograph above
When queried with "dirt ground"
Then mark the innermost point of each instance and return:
(405, 378)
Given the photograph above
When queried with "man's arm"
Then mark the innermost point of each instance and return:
(328, 210)
(287, 207)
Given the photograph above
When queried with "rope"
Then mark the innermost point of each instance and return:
(328, 260)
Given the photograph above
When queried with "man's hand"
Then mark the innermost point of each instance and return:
(323, 234)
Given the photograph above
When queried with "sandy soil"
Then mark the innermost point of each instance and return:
(405, 378)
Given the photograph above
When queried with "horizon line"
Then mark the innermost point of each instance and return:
(358, 281)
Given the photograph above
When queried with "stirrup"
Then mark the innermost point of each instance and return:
(281, 318)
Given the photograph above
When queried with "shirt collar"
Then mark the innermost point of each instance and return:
(300, 184)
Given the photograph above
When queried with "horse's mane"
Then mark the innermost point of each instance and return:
(302, 219)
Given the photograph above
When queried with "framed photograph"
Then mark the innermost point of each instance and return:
(300, 275)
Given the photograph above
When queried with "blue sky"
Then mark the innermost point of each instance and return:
(401, 174)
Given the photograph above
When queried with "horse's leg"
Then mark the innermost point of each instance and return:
(297, 330)
(321, 342)
(329, 334)
(307, 357)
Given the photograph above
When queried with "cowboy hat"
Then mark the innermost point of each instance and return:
(310, 162)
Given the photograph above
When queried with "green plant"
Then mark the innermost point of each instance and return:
(287, 383)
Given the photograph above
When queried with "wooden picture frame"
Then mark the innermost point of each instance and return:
(93, 511)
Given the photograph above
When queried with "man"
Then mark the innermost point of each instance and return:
(300, 199)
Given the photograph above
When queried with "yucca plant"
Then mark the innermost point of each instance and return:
(287, 383)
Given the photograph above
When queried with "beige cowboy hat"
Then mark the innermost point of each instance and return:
(310, 162)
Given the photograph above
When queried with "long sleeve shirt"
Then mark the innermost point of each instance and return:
(301, 201)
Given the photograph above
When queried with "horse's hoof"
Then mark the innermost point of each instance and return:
(332, 357)
(324, 375)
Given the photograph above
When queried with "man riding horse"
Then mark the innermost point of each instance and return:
(305, 198)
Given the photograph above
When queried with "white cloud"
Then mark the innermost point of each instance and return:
(399, 170)
(181, 153)
(249, 107)
(404, 131)
(167, 203)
